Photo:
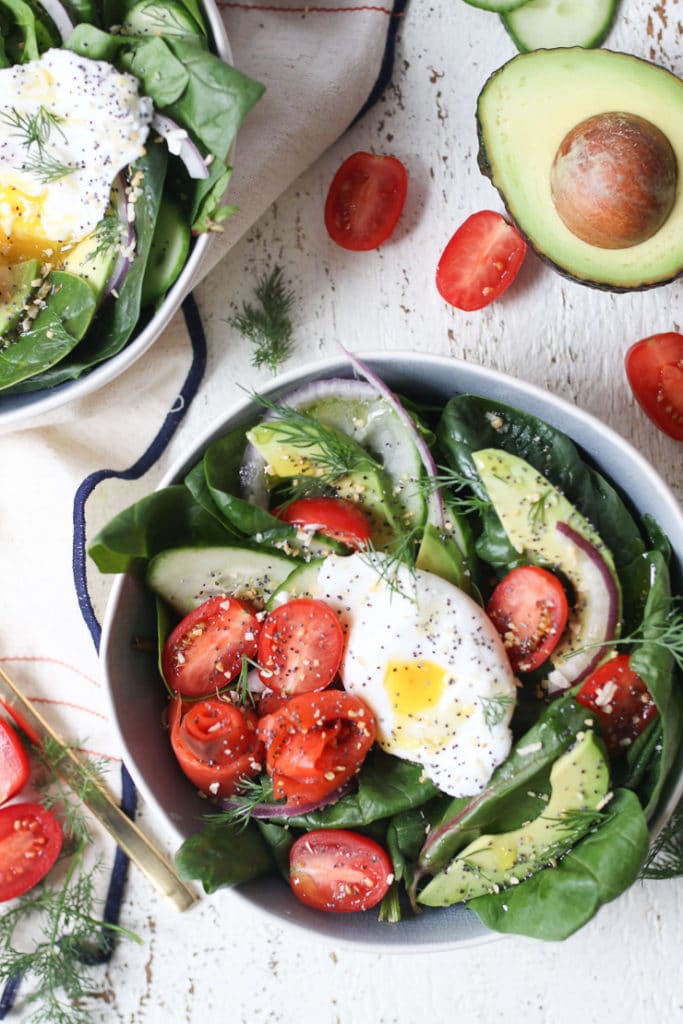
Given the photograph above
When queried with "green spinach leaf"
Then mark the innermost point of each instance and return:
(224, 855)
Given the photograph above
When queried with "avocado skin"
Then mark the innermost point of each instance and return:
(486, 169)
(579, 783)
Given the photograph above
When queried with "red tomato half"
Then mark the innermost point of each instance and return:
(332, 869)
(529, 609)
(654, 367)
(14, 763)
(365, 201)
(300, 647)
(215, 743)
(204, 651)
(620, 700)
(334, 517)
(30, 841)
(315, 742)
(481, 260)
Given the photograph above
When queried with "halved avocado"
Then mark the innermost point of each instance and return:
(527, 109)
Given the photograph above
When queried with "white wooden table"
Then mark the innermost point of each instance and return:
(219, 962)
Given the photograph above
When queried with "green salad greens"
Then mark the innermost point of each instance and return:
(68, 300)
(467, 494)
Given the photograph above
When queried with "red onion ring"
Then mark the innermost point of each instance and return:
(274, 810)
(181, 145)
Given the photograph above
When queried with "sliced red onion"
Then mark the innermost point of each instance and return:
(571, 663)
(127, 247)
(266, 811)
(60, 16)
(437, 514)
(181, 145)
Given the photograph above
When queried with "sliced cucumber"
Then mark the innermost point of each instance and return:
(302, 582)
(549, 24)
(151, 18)
(168, 253)
(496, 5)
(186, 577)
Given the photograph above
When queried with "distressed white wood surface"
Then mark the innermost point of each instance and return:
(219, 962)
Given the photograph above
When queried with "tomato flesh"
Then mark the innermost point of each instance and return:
(14, 763)
(339, 871)
(215, 743)
(204, 652)
(316, 742)
(30, 842)
(365, 200)
(480, 262)
(529, 609)
(334, 517)
(300, 647)
(654, 367)
(620, 700)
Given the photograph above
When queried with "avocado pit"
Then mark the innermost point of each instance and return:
(613, 180)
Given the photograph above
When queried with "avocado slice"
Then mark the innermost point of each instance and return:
(17, 284)
(526, 111)
(93, 259)
(542, 524)
(291, 450)
(579, 782)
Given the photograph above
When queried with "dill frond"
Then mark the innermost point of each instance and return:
(251, 793)
(495, 708)
(665, 859)
(268, 324)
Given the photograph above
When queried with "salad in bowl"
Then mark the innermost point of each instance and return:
(117, 122)
(414, 675)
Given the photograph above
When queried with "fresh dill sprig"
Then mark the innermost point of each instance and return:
(73, 937)
(32, 129)
(251, 793)
(336, 454)
(47, 169)
(268, 325)
(108, 234)
(665, 859)
(495, 708)
(454, 482)
(390, 562)
(577, 821)
(537, 508)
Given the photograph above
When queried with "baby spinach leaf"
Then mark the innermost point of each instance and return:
(555, 902)
(165, 519)
(163, 77)
(223, 854)
(386, 786)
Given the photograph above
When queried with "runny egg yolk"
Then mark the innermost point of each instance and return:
(414, 686)
(21, 230)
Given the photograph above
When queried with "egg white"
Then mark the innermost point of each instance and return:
(65, 112)
(429, 663)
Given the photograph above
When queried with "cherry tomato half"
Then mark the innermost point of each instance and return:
(300, 647)
(215, 744)
(14, 763)
(334, 517)
(481, 260)
(315, 742)
(654, 367)
(529, 609)
(204, 651)
(30, 841)
(365, 201)
(620, 700)
(332, 869)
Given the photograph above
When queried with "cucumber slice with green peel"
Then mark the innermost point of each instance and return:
(186, 577)
(497, 6)
(302, 582)
(550, 24)
(168, 253)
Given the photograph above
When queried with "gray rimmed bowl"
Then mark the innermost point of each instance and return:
(19, 409)
(137, 698)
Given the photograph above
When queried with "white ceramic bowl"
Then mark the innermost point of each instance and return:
(18, 409)
(137, 696)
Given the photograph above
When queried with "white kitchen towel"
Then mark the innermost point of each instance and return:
(65, 476)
